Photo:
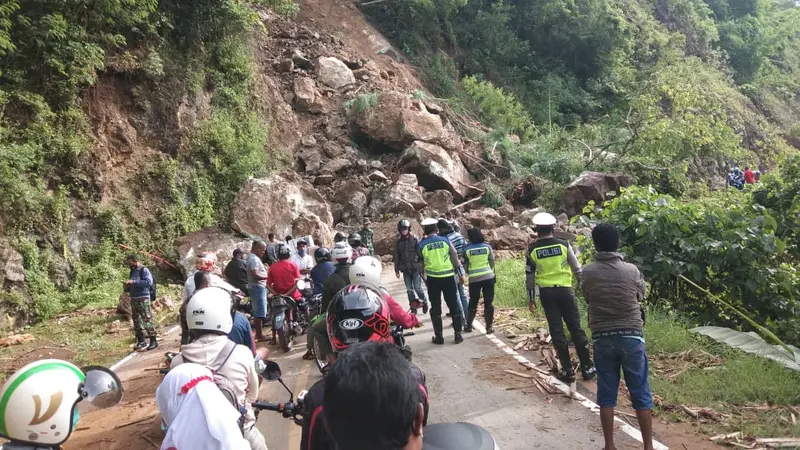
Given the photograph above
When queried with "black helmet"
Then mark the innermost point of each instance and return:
(322, 254)
(358, 314)
(354, 239)
(283, 252)
(339, 237)
(405, 223)
(444, 226)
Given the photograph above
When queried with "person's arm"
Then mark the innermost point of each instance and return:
(185, 292)
(251, 393)
(491, 256)
(396, 258)
(641, 285)
(573, 262)
(421, 260)
(466, 262)
(456, 261)
(530, 279)
(254, 272)
(400, 315)
(145, 279)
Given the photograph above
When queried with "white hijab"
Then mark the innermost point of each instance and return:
(196, 414)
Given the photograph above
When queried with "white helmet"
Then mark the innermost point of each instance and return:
(341, 251)
(210, 309)
(39, 402)
(544, 219)
(366, 270)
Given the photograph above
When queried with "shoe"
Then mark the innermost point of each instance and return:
(459, 338)
(468, 329)
(438, 340)
(589, 373)
(489, 330)
(309, 355)
(414, 311)
(153, 344)
(140, 345)
(425, 308)
(448, 315)
(567, 376)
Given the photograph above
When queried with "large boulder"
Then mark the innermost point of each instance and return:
(334, 73)
(11, 269)
(273, 204)
(307, 97)
(525, 218)
(528, 190)
(208, 240)
(436, 169)
(440, 202)
(396, 121)
(384, 238)
(508, 238)
(591, 186)
(485, 219)
(351, 201)
(402, 198)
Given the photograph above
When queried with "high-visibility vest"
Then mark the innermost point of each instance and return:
(478, 258)
(436, 257)
(552, 265)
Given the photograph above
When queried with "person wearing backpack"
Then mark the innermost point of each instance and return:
(142, 289)
(209, 314)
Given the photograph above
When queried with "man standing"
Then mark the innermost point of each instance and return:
(459, 243)
(406, 261)
(302, 259)
(140, 287)
(749, 176)
(257, 287)
(366, 236)
(551, 265)
(271, 257)
(614, 291)
(236, 270)
(441, 264)
(335, 282)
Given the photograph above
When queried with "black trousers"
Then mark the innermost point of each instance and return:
(475, 288)
(438, 287)
(559, 304)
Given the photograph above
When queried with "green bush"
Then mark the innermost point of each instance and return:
(498, 108)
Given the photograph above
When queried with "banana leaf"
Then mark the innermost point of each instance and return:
(752, 343)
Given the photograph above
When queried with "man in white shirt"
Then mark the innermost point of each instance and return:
(205, 261)
(303, 260)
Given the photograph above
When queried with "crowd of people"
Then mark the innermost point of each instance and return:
(214, 379)
(738, 178)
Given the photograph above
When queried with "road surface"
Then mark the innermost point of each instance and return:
(466, 382)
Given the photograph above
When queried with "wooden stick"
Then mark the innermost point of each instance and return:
(149, 440)
(689, 411)
(521, 375)
(135, 422)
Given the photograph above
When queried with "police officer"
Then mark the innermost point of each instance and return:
(551, 267)
(441, 264)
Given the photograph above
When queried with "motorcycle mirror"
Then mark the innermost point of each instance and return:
(272, 372)
(102, 387)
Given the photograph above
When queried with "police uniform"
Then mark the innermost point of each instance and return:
(441, 264)
(552, 267)
(479, 264)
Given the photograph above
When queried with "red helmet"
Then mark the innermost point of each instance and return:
(358, 314)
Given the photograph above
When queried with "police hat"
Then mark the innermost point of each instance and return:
(544, 219)
(428, 222)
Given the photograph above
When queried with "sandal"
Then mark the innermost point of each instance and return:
(308, 356)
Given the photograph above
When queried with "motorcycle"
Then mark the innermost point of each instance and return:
(439, 436)
(290, 317)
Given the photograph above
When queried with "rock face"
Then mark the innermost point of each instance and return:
(440, 202)
(11, 269)
(485, 219)
(591, 186)
(525, 218)
(351, 202)
(403, 198)
(396, 121)
(208, 240)
(436, 169)
(334, 73)
(273, 204)
(508, 238)
(385, 235)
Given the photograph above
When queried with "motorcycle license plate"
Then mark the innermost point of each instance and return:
(277, 322)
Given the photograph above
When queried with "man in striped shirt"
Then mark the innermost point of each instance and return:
(458, 241)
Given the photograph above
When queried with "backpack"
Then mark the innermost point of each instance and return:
(226, 386)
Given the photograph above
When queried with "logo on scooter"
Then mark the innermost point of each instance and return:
(351, 324)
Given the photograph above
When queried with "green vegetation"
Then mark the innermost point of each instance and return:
(50, 53)
(686, 368)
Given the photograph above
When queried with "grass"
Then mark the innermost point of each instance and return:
(362, 103)
(84, 334)
(690, 369)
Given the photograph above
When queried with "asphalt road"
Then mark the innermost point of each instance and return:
(466, 382)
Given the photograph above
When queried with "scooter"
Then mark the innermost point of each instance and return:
(440, 436)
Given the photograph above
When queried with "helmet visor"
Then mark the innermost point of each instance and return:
(102, 388)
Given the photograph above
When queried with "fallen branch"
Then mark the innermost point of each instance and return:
(779, 442)
(465, 203)
(518, 374)
(690, 412)
(155, 257)
(135, 422)
(719, 437)
(149, 440)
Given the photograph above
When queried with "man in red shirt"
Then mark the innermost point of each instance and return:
(283, 275)
(749, 176)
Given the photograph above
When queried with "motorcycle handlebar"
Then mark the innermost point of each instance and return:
(288, 410)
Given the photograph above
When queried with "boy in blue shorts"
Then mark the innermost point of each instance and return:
(614, 290)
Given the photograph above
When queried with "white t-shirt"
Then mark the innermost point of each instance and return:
(303, 262)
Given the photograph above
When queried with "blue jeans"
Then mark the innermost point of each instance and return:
(463, 299)
(258, 298)
(413, 282)
(626, 353)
